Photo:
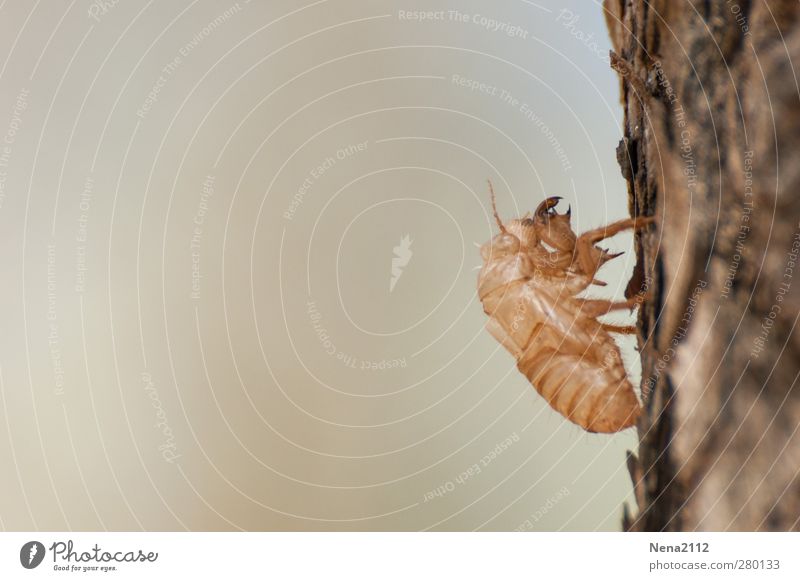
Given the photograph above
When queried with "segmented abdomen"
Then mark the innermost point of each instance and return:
(599, 398)
(568, 358)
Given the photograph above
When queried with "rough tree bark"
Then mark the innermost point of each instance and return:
(711, 148)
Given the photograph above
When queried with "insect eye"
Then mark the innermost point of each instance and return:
(505, 244)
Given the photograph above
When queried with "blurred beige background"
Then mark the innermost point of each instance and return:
(199, 208)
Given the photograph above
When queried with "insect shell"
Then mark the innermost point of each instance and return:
(531, 272)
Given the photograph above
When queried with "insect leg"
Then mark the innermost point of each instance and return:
(599, 234)
(591, 258)
(597, 307)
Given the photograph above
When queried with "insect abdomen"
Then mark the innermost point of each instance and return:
(574, 364)
(599, 398)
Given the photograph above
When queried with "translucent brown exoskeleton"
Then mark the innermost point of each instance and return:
(532, 271)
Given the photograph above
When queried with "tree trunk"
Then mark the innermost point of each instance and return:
(711, 148)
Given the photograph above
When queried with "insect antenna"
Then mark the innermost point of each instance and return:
(494, 209)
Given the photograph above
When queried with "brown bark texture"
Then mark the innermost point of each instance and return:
(711, 148)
